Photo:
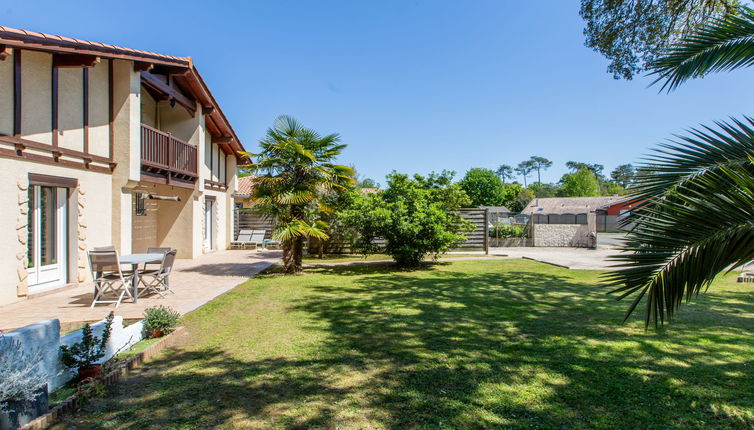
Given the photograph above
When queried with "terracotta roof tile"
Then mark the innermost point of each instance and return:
(244, 186)
(52, 40)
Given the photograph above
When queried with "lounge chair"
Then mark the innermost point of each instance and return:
(244, 238)
(257, 238)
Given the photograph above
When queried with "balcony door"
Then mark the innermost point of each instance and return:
(47, 241)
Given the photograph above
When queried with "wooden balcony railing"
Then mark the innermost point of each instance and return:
(164, 156)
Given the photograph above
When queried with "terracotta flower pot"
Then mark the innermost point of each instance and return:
(157, 333)
(89, 372)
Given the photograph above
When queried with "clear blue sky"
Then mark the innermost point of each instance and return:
(415, 85)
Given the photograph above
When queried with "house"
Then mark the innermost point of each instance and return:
(610, 215)
(242, 196)
(105, 145)
(566, 210)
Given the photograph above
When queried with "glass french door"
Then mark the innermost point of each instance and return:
(209, 225)
(47, 242)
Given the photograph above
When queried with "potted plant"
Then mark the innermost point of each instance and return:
(23, 384)
(159, 321)
(85, 354)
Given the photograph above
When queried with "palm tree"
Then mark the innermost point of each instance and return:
(294, 171)
(697, 192)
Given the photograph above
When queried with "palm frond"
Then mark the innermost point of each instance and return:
(722, 44)
(697, 219)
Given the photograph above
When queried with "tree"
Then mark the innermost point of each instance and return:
(523, 197)
(483, 187)
(505, 172)
(524, 168)
(540, 163)
(697, 191)
(511, 193)
(295, 168)
(415, 216)
(623, 175)
(633, 33)
(575, 166)
(545, 190)
(367, 183)
(582, 183)
(611, 188)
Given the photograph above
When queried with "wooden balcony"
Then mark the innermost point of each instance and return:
(167, 160)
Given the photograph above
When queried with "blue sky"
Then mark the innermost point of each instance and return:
(414, 86)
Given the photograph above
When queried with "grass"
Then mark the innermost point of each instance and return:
(345, 258)
(464, 344)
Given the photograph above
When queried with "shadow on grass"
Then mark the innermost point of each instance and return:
(431, 348)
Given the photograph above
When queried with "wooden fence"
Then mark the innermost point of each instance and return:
(478, 239)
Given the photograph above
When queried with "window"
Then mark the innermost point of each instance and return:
(141, 204)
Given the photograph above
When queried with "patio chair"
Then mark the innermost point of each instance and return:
(108, 277)
(155, 265)
(158, 281)
(244, 237)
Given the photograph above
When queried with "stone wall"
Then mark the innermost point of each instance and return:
(511, 242)
(567, 235)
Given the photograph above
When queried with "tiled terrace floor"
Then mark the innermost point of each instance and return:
(195, 283)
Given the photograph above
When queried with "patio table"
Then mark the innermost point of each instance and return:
(134, 260)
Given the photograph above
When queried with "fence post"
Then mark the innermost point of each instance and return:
(487, 231)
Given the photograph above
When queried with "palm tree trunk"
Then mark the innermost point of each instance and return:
(293, 252)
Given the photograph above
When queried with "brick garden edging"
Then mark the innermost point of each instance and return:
(73, 402)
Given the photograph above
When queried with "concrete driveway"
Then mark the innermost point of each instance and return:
(571, 258)
(610, 240)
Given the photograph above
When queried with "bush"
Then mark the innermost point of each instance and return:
(21, 377)
(159, 319)
(415, 217)
(501, 231)
(484, 187)
(89, 350)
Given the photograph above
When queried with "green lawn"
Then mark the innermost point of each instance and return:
(345, 258)
(467, 344)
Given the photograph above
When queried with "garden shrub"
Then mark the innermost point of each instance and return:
(21, 376)
(415, 216)
(159, 319)
(89, 350)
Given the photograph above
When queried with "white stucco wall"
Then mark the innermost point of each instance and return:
(99, 112)
(36, 90)
(71, 109)
(96, 211)
(45, 336)
(6, 96)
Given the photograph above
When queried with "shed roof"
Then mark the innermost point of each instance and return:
(568, 205)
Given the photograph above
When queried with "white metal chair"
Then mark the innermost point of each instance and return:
(158, 281)
(108, 278)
